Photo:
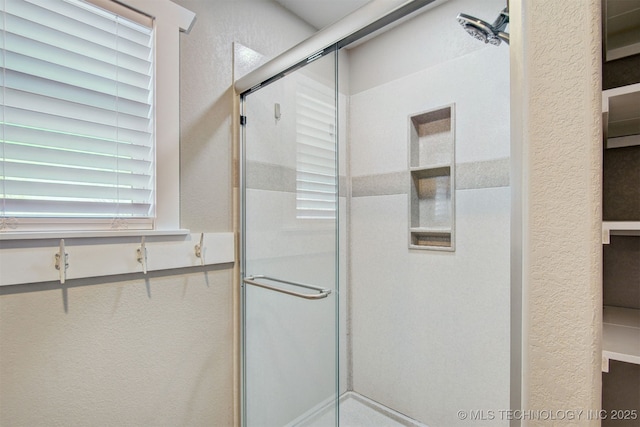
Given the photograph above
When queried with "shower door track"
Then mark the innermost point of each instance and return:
(359, 24)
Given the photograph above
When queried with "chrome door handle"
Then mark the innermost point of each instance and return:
(322, 292)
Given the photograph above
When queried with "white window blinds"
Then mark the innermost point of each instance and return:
(316, 151)
(77, 116)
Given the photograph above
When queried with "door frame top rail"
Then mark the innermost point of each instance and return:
(366, 20)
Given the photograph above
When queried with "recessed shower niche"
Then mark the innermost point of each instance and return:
(432, 168)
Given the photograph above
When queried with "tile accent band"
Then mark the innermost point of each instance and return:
(469, 176)
(270, 177)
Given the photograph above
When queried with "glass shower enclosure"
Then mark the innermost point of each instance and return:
(290, 248)
(414, 327)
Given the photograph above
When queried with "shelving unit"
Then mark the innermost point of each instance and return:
(622, 31)
(621, 209)
(432, 169)
(619, 228)
(621, 214)
(621, 116)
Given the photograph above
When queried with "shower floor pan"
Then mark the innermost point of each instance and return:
(356, 411)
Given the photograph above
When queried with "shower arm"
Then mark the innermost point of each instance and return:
(502, 20)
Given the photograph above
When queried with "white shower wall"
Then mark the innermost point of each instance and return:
(429, 330)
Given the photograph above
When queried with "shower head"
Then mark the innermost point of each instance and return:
(489, 33)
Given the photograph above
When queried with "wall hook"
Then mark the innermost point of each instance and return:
(276, 112)
(62, 262)
(142, 255)
(200, 249)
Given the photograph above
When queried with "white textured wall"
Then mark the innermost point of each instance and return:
(156, 351)
(127, 351)
(207, 96)
(556, 94)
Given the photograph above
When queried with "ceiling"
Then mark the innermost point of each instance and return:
(320, 13)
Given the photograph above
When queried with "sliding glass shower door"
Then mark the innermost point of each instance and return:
(289, 277)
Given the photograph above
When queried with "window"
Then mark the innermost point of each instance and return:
(88, 237)
(77, 113)
(316, 155)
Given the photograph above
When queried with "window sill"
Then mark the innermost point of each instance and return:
(43, 235)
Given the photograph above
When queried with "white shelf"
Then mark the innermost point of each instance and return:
(444, 166)
(621, 52)
(432, 238)
(431, 230)
(56, 235)
(621, 116)
(623, 141)
(620, 335)
(622, 29)
(619, 228)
